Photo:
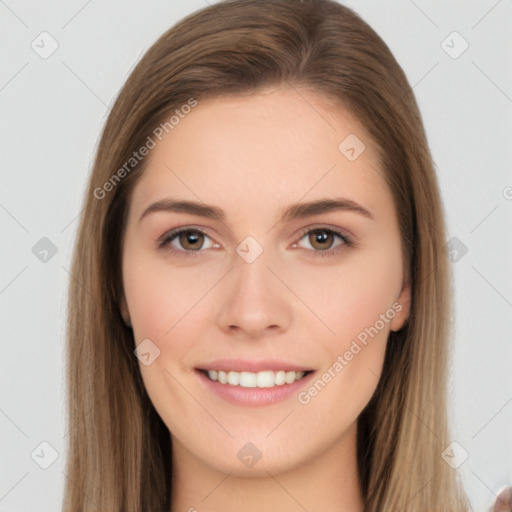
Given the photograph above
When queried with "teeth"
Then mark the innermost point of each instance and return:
(233, 378)
(280, 378)
(247, 379)
(265, 379)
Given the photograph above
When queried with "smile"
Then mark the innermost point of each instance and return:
(263, 379)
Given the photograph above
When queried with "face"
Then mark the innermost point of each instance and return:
(292, 306)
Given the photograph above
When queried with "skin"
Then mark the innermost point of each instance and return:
(253, 155)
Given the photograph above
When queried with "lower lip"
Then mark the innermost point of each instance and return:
(239, 395)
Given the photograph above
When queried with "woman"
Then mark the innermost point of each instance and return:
(259, 315)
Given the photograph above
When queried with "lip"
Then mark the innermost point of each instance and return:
(241, 396)
(245, 365)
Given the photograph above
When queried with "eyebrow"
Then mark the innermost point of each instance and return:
(292, 212)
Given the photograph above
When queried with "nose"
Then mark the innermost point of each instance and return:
(254, 302)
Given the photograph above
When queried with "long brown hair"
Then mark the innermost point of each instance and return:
(119, 449)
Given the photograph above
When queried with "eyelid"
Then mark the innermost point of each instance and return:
(348, 239)
(344, 233)
(162, 241)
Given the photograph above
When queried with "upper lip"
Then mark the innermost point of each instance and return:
(246, 365)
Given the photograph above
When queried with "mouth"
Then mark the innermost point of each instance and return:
(261, 379)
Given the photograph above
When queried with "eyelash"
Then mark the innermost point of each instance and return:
(164, 242)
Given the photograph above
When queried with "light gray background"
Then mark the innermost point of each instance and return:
(51, 114)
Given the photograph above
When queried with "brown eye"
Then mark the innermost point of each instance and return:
(191, 240)
(321, 239)
(186, 242)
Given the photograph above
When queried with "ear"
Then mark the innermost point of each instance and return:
(123, 307)
(402, 307)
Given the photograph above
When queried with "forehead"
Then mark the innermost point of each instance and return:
(264, 149)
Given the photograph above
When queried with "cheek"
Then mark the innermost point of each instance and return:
(163, 303)
(352, 296)
(354, 302)
(159, 297)
(358, 312)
